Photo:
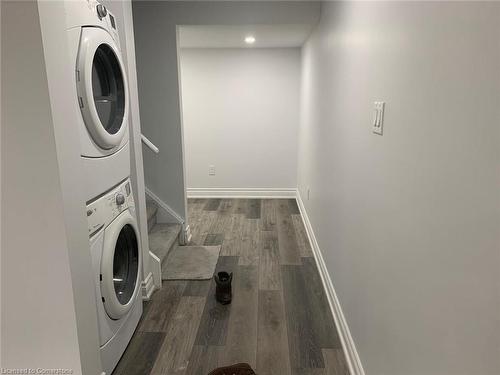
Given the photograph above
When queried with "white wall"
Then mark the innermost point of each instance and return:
(408, 222)
(48, 301)
(241, 114)
(155, 24)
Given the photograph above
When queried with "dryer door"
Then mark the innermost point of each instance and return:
(102, 87)
(120, 265)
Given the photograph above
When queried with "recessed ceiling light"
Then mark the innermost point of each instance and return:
(250, 39)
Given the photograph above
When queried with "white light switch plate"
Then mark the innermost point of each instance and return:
(211, 170)
(378, 118)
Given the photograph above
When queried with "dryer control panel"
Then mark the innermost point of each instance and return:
(108, 18)
(106, 208)
(91, 13)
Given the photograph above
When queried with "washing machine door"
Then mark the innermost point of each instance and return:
(120, 266)
(102, 87)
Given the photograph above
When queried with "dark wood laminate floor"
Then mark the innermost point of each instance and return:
(279, 320)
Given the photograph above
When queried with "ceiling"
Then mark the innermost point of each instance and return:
(233, 36)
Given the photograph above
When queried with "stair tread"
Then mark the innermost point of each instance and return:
(151, 208)
(162, 237)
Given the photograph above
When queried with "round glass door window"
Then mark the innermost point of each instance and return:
(108, 88)
(125, 264)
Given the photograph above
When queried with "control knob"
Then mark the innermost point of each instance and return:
(120, 199)
(101, 11)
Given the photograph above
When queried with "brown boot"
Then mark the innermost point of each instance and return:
(223, 292)
(238, 369)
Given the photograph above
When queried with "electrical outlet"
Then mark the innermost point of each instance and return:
(211, 170)
(378, 117)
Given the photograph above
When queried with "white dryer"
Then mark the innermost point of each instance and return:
(116, 260)
(101, 94)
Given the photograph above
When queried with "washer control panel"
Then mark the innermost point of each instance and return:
(106, 208)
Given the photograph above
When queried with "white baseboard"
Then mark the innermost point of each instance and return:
(185, 236)
(155, 263)
(148, 287)
(351, 354)
(165, 213)
(241, 193)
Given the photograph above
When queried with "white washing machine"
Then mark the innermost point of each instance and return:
(101, 93)
(116, 260)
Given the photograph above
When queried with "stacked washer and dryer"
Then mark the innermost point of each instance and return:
(101, 94)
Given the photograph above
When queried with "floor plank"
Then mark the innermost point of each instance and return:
(279, 320)
(162, 307)
(305, 249)
(323, 324)
(272, 343)
(179, 339)
(241, 340)
(254, 206)
(250, 243)
(293, 207)
(214, 321)
(226, 206)
(141, 354)
(303, 344)
(308, 371)
(194, 207)
(289, 249)
(240, 206)
(197, 288)
(221, 223)
(335, 362)
(232, 240)
(213, 239)
(202, 226)
(203, 359)
(269, 262)
(212, 205)
(268, 215)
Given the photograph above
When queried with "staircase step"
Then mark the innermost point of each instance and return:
(162, 238)
(151, 210)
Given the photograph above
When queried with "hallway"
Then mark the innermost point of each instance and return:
(279, 320)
